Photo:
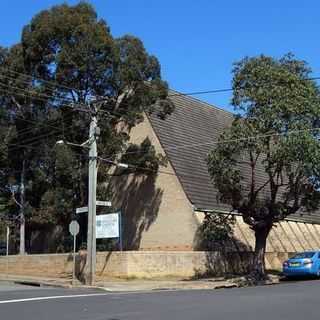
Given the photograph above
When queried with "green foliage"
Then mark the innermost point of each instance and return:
(70, 45)
(143, 157)
(70, 58)
(266, 165)
(215, 230)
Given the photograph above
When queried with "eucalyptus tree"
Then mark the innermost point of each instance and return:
(68, 61)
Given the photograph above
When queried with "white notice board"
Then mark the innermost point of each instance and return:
(107, 226)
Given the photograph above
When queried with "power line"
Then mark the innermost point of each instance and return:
(159, 171)
(16, 146)
(22, 146)
(31, 141)
(177, 94)
(53, 83)
(41, 126)
(199, 92)
(38, 138)
(36, 122)
(211, 143)
(224, 89)
(27, 146)
(73, 106)
(26, 94)
(50, 82)
(243, 139)
(25, 82)
(36, 94)
(38, 125)
(41, 96)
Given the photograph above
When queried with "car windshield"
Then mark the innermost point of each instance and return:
(303, 255)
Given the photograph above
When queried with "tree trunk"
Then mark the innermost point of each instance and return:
(22, 214)
(258, 270)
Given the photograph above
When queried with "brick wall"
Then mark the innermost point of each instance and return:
(285, 236)
(146, 264)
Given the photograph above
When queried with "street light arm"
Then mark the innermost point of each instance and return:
(117, 164)
(86, 143)
(82, 145)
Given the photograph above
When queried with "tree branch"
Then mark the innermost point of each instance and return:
(263, 186)
(16, 103)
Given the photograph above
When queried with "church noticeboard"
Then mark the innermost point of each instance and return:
(108, 226)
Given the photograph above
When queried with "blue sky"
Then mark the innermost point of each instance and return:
(197, 41)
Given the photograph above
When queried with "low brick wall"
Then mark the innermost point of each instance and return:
(44, 265)
(146, 264)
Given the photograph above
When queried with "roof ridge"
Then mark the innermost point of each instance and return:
(207, 104)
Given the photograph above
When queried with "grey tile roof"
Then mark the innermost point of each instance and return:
(187, 136)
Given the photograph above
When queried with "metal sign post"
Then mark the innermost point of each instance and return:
(91, 209)
(120, 232)
(74, 230)
(7, 251)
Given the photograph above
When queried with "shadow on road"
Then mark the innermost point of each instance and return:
(299, 278)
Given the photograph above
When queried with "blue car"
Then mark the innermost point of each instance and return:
(303, 264)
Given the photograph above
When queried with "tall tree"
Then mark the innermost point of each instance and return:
(267, 164)
(25, 108)
(67, 57)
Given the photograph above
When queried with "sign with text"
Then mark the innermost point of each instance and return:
(108, 226)
(104, 203)
(81, 210)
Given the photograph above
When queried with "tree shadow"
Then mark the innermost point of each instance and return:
(108, 256)
(45, 239)
(224, 263)
(81, 261)
(139, 200)
(223, 257)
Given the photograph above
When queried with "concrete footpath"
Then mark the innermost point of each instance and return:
(122, 285)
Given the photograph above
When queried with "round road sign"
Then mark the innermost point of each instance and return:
(74, 227)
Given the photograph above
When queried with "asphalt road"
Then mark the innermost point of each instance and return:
(294, 300)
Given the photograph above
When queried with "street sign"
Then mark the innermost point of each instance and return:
(108, 225)
(74, 230)
(104, 203)
(81, 210)
(74, 227)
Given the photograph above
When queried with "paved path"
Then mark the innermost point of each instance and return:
(121, 285)
(295, 300)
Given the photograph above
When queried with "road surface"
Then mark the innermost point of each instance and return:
(292, 301)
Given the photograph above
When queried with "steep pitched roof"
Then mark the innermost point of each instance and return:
(187, 136)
